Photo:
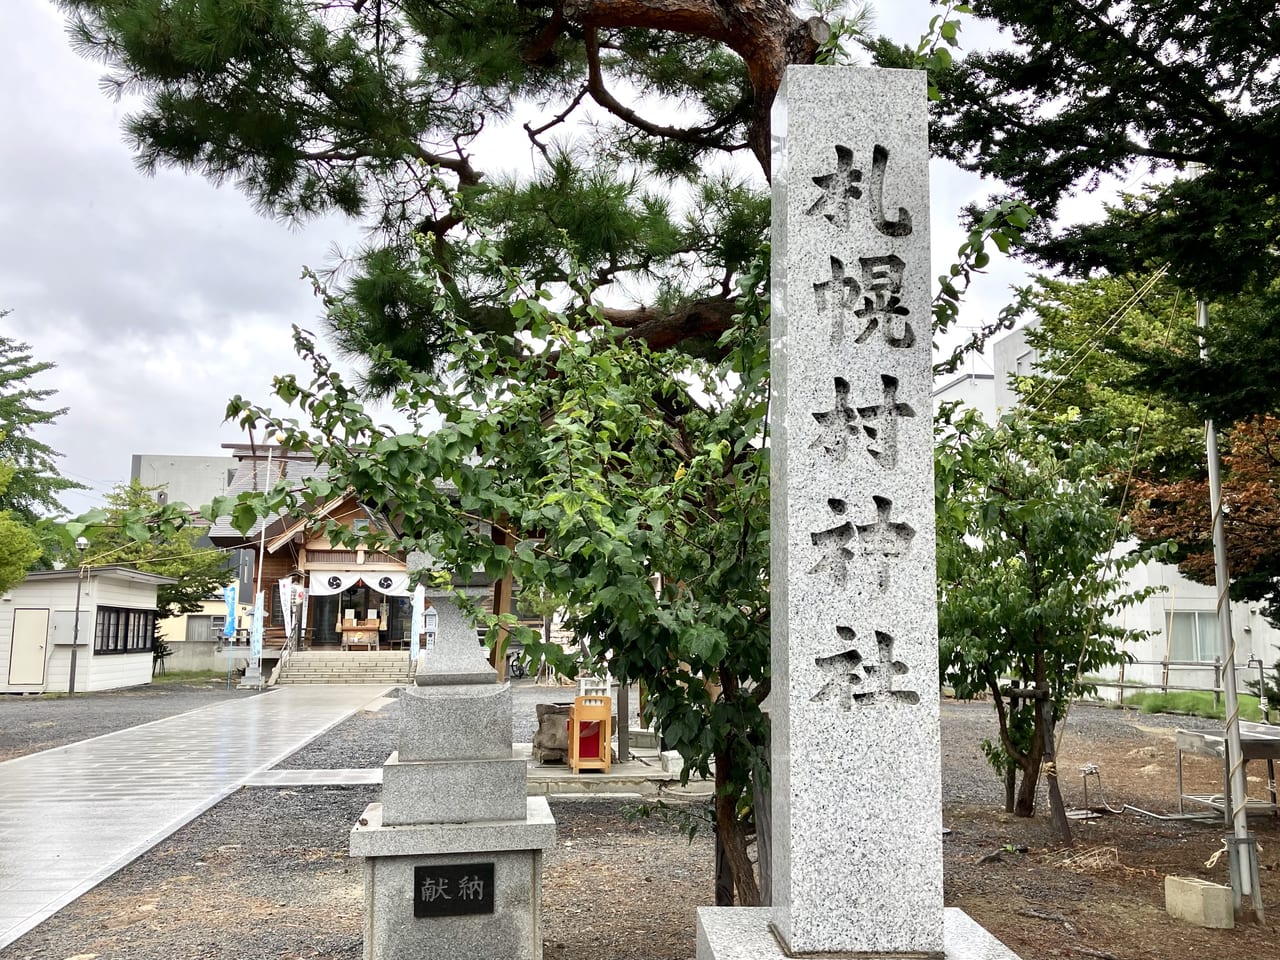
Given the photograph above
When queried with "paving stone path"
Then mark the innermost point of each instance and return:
(72, 816)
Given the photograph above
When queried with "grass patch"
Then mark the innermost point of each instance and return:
(190, 676)
(1195, 703)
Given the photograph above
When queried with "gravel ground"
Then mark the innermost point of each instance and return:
(265, 873)
(31, 724)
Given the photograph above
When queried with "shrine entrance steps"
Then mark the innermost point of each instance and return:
(347, 666)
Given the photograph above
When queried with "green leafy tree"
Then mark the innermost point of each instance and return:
(35, 485)
(19, 544)
(1120, 363)
(1028, 580)
(1094, 340)
(168, 545)
(631, 483)
(1142, 89)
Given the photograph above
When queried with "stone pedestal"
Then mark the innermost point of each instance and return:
(744, 933)
(400, 860)
(453, 853)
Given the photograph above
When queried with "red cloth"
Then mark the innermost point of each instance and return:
(588, 739)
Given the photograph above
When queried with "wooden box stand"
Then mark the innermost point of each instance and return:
(585, 712)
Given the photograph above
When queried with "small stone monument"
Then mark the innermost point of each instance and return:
(453, 867)
(856, 761)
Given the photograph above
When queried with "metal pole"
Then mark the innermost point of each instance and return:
(1241, 846)
(254, 670)
(81, 544)
(75, 634)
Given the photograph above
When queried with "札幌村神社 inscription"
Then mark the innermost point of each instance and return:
(857, 799)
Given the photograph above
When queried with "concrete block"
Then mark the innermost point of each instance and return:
(462, 722)
(372, 838)
(1202, 902)
(672, 762)
(452, 791)
(511, 932)
(642, 739)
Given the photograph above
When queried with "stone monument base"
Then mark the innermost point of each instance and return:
(399, 857)
(742, 933)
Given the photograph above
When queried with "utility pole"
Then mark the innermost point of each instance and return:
(81, 545)
(1242, 848)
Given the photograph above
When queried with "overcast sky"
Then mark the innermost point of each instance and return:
(160, 297)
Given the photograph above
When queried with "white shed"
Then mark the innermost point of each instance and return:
(103, 622)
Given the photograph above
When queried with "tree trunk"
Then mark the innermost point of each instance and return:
(1011, 771)
(1038, 694)
(732, 836)
(1044, 711)
(762, 803)
(1025, 805)
(724, 875)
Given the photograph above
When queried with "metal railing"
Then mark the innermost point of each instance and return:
(1168, 666)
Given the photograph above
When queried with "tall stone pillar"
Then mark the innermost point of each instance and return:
(856, 762)
(856, 778)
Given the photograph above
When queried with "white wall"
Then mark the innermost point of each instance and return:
(40, 595)
(973, 390)
(1253, 636)
(1006, 354)
(107, 672)
(191, 480)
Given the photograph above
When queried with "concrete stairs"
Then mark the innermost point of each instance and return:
(352, 666)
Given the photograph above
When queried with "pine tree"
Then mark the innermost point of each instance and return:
(374, 109)
(1146, 89)
(36, 484)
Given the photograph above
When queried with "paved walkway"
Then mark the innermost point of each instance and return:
(72, 816)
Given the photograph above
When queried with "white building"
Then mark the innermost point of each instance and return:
(103, 623)
(974, 390)
(179, 479)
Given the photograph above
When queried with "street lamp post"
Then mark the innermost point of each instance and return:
(82, 545)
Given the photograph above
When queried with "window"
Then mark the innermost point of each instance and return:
(1193, 637)
(1025, 364)
(121, 630)
(205, 628)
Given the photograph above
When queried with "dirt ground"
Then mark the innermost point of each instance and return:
(1104, 897)
(265, 874)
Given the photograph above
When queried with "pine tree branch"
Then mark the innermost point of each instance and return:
(1186, 91)
(765, 33)
(705, 317)
(698, 136)
(535, 132)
